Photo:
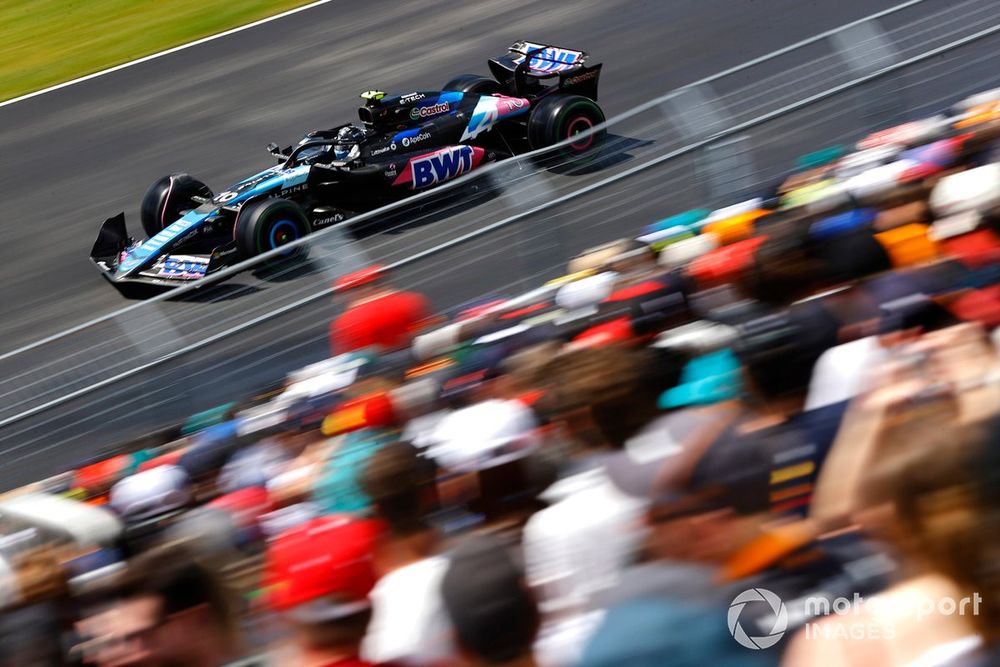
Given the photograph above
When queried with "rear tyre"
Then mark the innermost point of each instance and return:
(268, 224)
(167, 199)
(562, 117)
(473, 83)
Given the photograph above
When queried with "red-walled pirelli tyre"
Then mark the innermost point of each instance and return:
(561, 117)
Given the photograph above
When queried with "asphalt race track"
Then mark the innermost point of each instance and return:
(74, 156)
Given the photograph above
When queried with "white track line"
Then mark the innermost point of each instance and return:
(159, 54)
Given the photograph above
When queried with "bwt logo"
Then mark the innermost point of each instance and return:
(780, 615)
(441, 165)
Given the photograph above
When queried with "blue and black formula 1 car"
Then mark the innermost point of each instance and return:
(538, 96)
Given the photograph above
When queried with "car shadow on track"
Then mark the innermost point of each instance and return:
(218, 292)
(617, 150)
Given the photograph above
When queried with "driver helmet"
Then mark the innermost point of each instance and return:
(347, 145)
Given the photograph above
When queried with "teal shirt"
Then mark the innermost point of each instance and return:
(338, 489)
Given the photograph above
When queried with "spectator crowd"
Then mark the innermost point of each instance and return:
(762, 434)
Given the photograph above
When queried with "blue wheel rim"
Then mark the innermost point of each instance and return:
(282, 233)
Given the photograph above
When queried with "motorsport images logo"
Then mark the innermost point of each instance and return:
(757, 596)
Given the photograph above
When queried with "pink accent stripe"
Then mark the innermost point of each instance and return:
(163, 213)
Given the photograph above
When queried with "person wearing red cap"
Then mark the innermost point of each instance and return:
(377, 314)
(318, 576)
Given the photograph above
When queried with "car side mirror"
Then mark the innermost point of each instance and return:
(278, 153)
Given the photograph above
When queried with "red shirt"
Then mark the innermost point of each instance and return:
(388, 321)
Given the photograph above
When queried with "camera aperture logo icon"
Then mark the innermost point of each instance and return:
(780, 615)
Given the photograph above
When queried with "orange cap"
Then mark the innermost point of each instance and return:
(362, 412)
(734, 228)
(980, 113)
(908, 245)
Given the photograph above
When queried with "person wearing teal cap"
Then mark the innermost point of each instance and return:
(709, 378)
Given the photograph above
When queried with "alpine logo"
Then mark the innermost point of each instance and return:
(417, 113)
(440, 166)
(491, 109)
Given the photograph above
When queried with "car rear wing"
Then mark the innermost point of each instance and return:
(526, 61)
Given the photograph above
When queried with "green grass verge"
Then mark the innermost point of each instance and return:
(45, 42)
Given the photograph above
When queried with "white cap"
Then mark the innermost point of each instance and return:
(698, 337)
(984, 97)
(433, 343)
(483, 435)
(878, 179)
(855, 163)
(150, 492)
(586, 292)
(663, 234)
(734, 209)
(974, 189)
(954, 225)
(682, 252)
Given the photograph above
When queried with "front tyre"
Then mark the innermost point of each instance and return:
(167, 199)
(269, 224)
(563, 118)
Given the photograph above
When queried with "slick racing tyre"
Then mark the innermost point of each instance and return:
(473, 83)
(268, 224)
(562, 117)
(168, 199)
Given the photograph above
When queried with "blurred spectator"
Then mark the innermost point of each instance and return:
(319, 576)
(921, 467)
(36, 607)
(892, 307)
(338, 488)
(715, 535)
(167, 609)
(377, 314)
(409, 625)
(148, 501)
(578, 545)
(493, 613)
(261, 462)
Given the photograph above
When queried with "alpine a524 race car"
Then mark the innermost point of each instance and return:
(538, 96)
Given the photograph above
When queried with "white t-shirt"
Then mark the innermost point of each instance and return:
(410, 625)
(578, 547)
(841, 372)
